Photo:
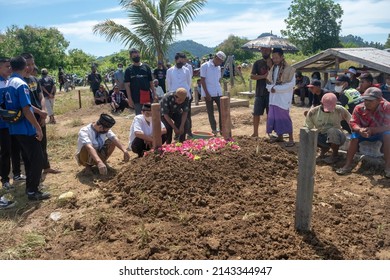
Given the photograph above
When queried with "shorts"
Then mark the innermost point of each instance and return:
(261, 104)
(332, 136)
(373, 138)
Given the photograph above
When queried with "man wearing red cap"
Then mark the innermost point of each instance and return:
(326, 118)
(370, 122)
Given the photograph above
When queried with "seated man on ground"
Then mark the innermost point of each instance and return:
(96, 142)
(119, 100)
(300, 89)
(326, 118)
(141, 132)
(101, 96)
(370, 122)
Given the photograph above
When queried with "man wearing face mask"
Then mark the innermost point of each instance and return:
(94, 80)
(96, 142)
(141, 132)
(119, 77)
(353, 74)
(179, 76)
(326, 118)
(348, 97)
(331, 83)
(174, 109)
(259, 74)
(139, 83)
(210, 76)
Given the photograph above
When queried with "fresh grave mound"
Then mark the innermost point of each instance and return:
(231, 204)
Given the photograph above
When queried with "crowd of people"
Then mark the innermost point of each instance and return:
(349, 104)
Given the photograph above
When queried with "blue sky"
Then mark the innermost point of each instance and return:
(219, 18)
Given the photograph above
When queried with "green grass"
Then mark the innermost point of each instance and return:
(66, 102)
(32, 241)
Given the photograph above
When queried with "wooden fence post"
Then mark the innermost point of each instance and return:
(306, 169)
(79, 99)
(156, 123)
(225, 87)
(225, 116)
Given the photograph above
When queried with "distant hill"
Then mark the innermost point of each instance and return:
(190, 46)
(356, 41)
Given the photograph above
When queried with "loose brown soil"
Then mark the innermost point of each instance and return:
(231, 204)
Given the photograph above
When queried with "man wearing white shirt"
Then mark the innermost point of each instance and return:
(179, 76)
(141, 132)
(280, 84)
(210, 75)
(96, 142)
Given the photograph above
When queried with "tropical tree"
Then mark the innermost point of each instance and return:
(232, 46)
(387, 44)
(313, 25)
(48, 45)
(153, 24)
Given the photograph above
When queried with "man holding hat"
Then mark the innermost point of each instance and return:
(210, 75)
(96, 142)
(326, 117)
(141, 132)
(370, 122)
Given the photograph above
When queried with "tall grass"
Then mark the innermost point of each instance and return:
(69, 101)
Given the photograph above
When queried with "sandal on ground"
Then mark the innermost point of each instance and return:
(387, 173)
(331, 160)
(344, 170)
(277, 139)
(289, 144)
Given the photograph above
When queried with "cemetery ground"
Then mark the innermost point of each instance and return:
(229, 204)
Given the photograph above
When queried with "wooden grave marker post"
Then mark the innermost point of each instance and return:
(306, 169)
(79, 99)
(156, 123)
(225, 116)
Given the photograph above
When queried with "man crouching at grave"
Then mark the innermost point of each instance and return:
(326, 118)
(95, 144)
(141, 132)
(370, 122)
(174, 110)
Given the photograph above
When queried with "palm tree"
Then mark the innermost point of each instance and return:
(153, 24)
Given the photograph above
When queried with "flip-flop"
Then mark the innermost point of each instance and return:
(289, 144)
(277, 139)
(343, 171)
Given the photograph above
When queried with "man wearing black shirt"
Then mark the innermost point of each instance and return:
(139, 83)
(39, 107)
(160, 74)
(94, 80)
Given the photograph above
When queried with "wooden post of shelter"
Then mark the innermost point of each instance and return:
(306, 169)
(79, 99)
(156, 123)
(196, 95)
(225, 116)
(250, 85)
(231, 71)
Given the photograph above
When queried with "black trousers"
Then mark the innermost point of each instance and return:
(177, 121)
(33, 163)
(188, 125)
(138, 145)
(9, 152)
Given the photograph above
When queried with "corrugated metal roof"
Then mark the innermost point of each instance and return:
(370, 58)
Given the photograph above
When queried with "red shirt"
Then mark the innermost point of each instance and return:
(361, 117)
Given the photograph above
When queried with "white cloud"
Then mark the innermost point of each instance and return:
(103, 11)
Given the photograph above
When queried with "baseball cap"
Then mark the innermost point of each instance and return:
(314, 83)
(106, 120)
(329, 101)
(343, 78)
(372, 93)
(221, 55)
